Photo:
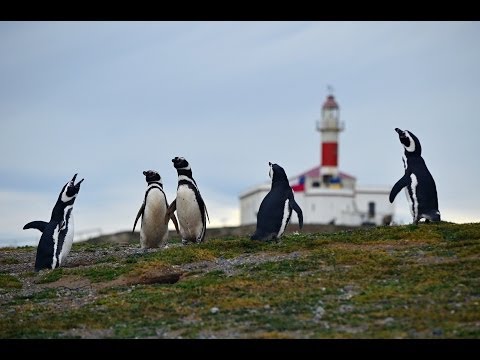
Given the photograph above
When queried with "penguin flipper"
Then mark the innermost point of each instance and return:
(39, 225)
(140, 212)
(299, 212)
(170, 211)
(175, 222)
(202, 203)
(400, 184)
(206, 212)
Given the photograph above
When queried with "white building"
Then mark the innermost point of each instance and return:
(325, 194)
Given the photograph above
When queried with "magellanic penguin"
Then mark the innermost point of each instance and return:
(57, 235)
(276, 208)
(191, 210)
(418, 182)
(154, 231)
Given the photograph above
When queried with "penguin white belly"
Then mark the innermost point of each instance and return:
(188, 214)
(409, 200)
(285, 218)
(154, 231)
(412, 199)
(68, 240)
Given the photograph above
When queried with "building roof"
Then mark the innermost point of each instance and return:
(315, 172)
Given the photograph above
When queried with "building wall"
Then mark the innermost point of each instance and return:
(315, 182)
(250, 203)
(324, 206)
(379, 196)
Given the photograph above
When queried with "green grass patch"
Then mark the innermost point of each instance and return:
(51, 276)
(181, 255)
(9, 261)
(8, 281)
(100, 273)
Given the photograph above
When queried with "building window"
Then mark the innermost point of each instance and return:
(371, 209)
(316, 184)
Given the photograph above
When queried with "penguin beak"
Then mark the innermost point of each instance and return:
(400, 133)
(145, 173)
(73, 188)
(73, 181)
(77, 186)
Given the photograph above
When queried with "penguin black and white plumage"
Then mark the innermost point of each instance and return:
(154, 230)
(276, 208)
(57, 234)
(418, 182)
(191, 210)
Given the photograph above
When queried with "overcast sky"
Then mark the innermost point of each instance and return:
(111, 99)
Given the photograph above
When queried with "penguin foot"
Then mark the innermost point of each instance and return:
(273, 239)
(256, 236)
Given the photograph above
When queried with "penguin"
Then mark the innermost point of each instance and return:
(418, 182)
(57, 234)
(191, 210)
(276, 208)
(154, 231)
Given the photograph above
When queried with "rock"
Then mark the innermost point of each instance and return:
(319, 312)
(345, 308)
(387, 321)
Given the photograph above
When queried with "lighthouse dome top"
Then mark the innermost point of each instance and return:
(330, 103)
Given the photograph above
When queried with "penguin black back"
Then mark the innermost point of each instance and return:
(57, 234)
(276, 208)
(420, 186)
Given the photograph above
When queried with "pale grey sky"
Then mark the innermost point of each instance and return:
(111, 99)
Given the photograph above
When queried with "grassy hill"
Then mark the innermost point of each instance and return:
(385, 282)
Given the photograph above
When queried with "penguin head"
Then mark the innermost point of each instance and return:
(277, 173)
(180, 163)
(70, 190)
(410, 142)
(152, 176)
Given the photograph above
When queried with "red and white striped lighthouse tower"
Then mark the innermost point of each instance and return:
(329, 127)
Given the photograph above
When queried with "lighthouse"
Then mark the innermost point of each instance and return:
(329, 126)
